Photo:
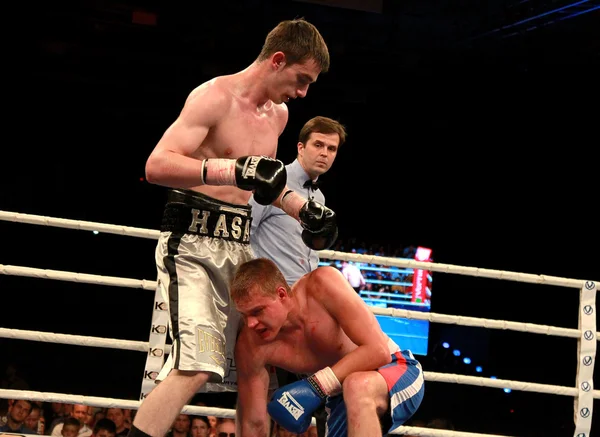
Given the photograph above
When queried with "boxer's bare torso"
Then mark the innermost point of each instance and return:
(313, 339)
(319, 325)
(220, 119)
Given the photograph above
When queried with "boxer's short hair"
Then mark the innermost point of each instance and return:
(299, 40)
(260, 273)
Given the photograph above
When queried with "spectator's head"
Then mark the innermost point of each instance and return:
(98, 414)
(33, 419)
(200, 426)
(71, 427)
(226, 428)
(80, 412)
(117, 415)
(104, 428)
(89, 417)
(18, 411)
(181, 423)
(213, 420)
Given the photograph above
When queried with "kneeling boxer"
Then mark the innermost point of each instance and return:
(322, 328)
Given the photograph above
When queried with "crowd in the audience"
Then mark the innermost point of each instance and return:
(78, 420)
(379, 284)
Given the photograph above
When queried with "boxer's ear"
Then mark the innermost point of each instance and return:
(282, 292)
(278, 60)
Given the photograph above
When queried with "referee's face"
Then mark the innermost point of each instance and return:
(318, 154)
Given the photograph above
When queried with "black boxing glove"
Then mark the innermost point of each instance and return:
(319, 223)
(321, 240)
(263, 175)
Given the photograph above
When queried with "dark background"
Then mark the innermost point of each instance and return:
(472, 130)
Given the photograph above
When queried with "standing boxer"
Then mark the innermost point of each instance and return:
(219, 150)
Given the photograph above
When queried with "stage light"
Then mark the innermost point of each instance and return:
(445, 345)
(456, 352)
(493, 377)
(478, 369)
(467, 360)
(95, 232)
(507, 390)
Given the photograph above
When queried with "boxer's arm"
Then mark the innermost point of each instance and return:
(252, 419)
(328, 286)
(171, 163)
(277, 202)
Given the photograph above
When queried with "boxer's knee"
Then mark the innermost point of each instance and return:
(366, 390)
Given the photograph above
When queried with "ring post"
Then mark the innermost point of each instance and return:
(586, 349)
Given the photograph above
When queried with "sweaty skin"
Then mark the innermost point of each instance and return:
(322, 322)
(217, 121)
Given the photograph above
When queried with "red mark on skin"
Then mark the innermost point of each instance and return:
(228, 151)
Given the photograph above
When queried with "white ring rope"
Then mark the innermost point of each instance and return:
(480, 322)
(504, 383)
(84, 278)
(81, 340)
(80, 225)
(334, 255)
(327, 254)
(140, 346)
(407, 314)
(430, 432)
(77, 340)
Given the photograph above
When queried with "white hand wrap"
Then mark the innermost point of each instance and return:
(328, 382)
(292, 203)
(217, 171)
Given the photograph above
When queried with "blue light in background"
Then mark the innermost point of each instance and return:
(456, 352)
(467, 360)
(580, 13)
(546, 13)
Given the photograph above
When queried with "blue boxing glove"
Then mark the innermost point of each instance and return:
(292, 405)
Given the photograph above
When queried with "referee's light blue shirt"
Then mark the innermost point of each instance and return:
(278, 237)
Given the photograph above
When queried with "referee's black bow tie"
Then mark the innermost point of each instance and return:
(312, 185)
